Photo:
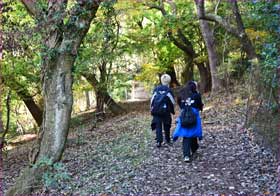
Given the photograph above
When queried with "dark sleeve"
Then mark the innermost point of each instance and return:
(171, 106)
(199, 103)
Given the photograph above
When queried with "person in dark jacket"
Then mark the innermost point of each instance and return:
(190, 135)
(162, 119)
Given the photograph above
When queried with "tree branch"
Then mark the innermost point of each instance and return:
(33, 8)
(79, 22)
(173, 6)
(217, 6)
(157, 7)
(222, 22)
(238, 19)
(182, 43)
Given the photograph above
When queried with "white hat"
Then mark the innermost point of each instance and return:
(165, 79)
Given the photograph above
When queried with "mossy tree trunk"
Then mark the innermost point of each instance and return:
(61, 43)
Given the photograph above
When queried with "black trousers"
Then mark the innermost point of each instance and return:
(165, 122)
(189, 145)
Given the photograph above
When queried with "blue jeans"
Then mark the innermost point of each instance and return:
(189, 144)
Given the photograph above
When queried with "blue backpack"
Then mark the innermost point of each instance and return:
(160, 104)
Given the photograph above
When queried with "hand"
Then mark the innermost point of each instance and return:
(175, 139)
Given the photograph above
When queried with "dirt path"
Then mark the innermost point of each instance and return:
(121, 157)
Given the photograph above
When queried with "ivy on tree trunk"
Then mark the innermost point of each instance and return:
(60, 46)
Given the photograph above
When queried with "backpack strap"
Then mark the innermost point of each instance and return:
(158, 92)
(169, 95)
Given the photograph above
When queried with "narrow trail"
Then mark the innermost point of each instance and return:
(121, 157)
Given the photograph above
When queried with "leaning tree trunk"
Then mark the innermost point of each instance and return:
(34, 109)
(102, 95)
(61, 48)
(111, 104)
(209, 40)
(58, 101)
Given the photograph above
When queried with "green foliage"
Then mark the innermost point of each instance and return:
(269, 65)
(20, 66)
(120, 86)
(128, 41)
(265, 16)
(149, 74)
(54, 174)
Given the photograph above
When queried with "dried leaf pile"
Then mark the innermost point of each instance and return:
(119, 156)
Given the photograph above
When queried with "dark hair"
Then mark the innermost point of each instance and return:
(188, 90)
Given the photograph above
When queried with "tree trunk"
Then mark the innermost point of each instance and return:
(209, 40)
(87, 100)
(205, 78)
(187, 73)
(111, 104)
(58, 57)
(99, 100)
(58, 100)
(2, 130)
(247, 47)
(33, 108)
(239, 31)
(102, 96)
(174, 82)
(243, 37)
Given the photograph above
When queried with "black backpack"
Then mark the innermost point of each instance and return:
(159, 104)
(188, 117)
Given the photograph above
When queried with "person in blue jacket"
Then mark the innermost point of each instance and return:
(162, 106)
(190, 135)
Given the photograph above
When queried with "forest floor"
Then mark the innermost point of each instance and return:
(119, 156)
